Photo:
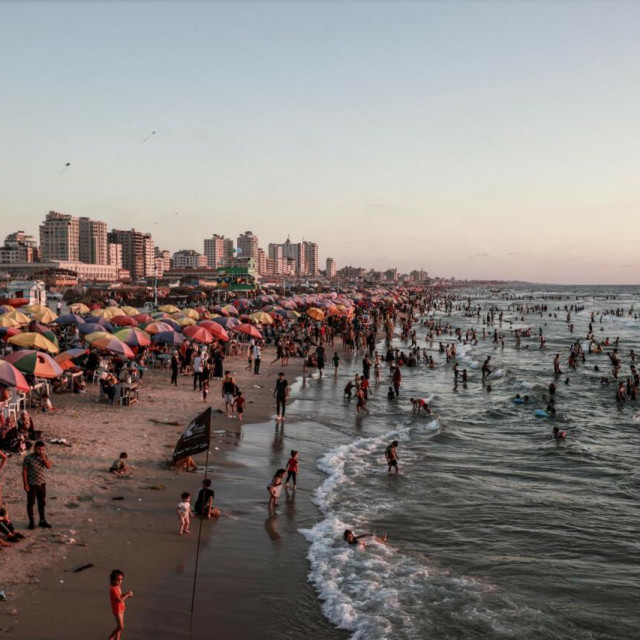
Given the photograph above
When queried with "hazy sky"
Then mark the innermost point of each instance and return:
(496, 140)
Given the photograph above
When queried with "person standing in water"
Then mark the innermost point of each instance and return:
(486, 371)
(391, 454)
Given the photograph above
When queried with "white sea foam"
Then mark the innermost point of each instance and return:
(463, 357)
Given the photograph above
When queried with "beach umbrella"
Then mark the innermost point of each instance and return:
(109, 343)
(215, 329)
(159, 315)
(68, 319)
(36, 308)
(191, 313)
(200, 310)
(174, 324)
(158, 327)
(168, 308)
(184, 322)
(316, 314)
(5, 308)
(133, 336)
(6, 321)
(124, 321)
(91, 327)
(48, 334)
(168, 337)
(79, 307)
(39, 364)
(199, 334)
(227, 323)
(130, 311)
(143, 317)
(262, 317)
(230, 309)
(221, 311)
(108, 313)
(18, 316)
(11, 377)
(33, 340)
(249, 329)
(242, 303)
(46, 316)
(71, 358)
(91, 337)
(7, 332)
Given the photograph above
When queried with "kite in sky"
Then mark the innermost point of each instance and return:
(153, 133)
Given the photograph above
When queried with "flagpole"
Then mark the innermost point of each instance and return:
(195, 573)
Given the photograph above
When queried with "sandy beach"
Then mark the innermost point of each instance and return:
(130, 522)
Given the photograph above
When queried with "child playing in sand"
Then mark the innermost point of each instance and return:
(117, 599)
(45, 404)
(292, 469)
(119, 466)
(238, 404)
(184, 512)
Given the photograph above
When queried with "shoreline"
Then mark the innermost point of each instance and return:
(137, 534)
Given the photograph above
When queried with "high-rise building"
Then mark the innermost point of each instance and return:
(294, 251)
(188, 259)
(162, 261)
(114, 254)
(262, 262)
(311, 258)
(218, 250)
(92, 241)
(247, 245)
(59, 237)
(419, 275)
(137, 252)
(331, 268)
(19, 247)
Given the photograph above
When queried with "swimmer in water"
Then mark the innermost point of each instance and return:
(357, 541)
(420, 403)
(559, 434)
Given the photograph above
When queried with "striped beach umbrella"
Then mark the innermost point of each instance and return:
(96, 335)
(262, 317)
(158, 327)
(92, 327)
(227, 323)
(11, 377)
(34, 340)
(37, 363)
(18, 316)
(112, 344)
(7, 322)
(199, 334)
(133, 336)
(130, 311)
(215, 329)
(143, 317)
(71, 358)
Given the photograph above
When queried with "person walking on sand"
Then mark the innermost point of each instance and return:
(281, 393)
(336, 364)
(117, 599)
(257, 358)
(175, 367)
(35, 484)
(229, 388)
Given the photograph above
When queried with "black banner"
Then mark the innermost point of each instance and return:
(195, 438)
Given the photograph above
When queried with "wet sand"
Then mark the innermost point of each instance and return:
(47, 600)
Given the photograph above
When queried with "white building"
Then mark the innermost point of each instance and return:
(188, 259)
(247, 244)
(331, 268)
(218, 250)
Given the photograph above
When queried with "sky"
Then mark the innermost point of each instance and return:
(476, 140)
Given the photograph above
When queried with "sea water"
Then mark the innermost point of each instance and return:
(495, 529)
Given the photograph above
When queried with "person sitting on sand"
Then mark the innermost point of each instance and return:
(357, 541)
(45, 404)
(119, 466)
(6, 527)
(185, 464)
(26, 426)
(204, 502)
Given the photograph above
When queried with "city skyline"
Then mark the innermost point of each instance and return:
(483, 140)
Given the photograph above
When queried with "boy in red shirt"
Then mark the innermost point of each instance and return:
(238, 405)
(292, 469)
